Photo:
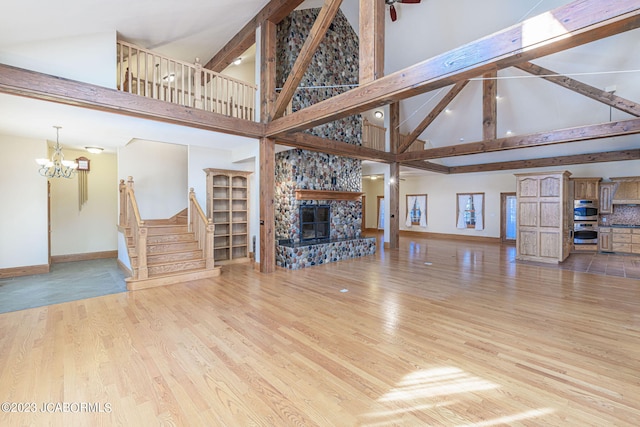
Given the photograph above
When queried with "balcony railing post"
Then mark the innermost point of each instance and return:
(123, 203)
(198, 85)
(208, 248)
(143, 271)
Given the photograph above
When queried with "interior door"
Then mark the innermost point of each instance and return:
(508, 217)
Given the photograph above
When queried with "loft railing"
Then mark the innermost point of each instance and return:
(202, 227)
(146, 73)
(373, 136)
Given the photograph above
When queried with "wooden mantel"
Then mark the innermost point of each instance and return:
(327, 195)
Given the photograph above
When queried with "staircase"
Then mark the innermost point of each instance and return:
(168, 251)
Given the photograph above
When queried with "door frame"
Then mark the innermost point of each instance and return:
(503, 218)
(380, 200)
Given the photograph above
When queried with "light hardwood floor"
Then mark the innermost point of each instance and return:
(474, 339)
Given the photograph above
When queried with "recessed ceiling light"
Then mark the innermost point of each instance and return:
(378, 114)
(238, 61)
(94, 150)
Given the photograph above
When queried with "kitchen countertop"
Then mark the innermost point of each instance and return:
(620, 225)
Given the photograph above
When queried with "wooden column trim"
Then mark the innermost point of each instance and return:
(316, 35)
(267, 70)
(394, 206)
(489, 106)
(267, 208)
(371, 40)
(394, 127)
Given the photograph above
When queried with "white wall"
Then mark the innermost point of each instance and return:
(159, 174)
(94, 227)
(441, 191)
(372, 189)
(90, 58)
(23, 206)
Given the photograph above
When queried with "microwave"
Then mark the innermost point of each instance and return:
(585, 210)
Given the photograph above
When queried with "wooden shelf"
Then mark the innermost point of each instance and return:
(327, 195)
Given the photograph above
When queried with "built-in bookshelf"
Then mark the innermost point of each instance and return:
(228, 206)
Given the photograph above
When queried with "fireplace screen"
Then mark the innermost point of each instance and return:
(314, 222)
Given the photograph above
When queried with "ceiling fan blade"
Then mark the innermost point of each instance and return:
(394, 14)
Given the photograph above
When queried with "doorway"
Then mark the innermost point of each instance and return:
(380, 212)
(508, 216)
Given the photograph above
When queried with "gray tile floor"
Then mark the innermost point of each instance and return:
(67, 281)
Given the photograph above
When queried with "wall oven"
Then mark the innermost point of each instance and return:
(585, 233)
(585, 210)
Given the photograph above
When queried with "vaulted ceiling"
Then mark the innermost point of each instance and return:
(526, 104)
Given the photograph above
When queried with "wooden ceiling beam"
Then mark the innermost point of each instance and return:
(371, 40)
(31, 84)
(338, 148)
(426, 166)
(437, 110)
(489, 106)
(560, 161)
(592, 92)
(311, 43)
(575, 134)
(571, 25)
(275, 11)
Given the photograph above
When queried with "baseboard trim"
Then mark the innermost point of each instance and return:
(431, 235)
(28, 270)
(126, 270)
(84, 257)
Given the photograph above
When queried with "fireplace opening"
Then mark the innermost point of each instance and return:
(315, 222)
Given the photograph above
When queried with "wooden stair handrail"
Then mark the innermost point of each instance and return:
(134, 227)
(202, 227)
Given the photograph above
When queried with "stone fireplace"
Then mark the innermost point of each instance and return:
(333, 233)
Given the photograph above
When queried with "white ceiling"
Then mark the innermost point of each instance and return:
(198, 28)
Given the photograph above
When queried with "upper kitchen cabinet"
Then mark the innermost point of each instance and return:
(545, 216)
(606, 197)
(586, 188)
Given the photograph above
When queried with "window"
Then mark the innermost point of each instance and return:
(416, 210)
(470, 210)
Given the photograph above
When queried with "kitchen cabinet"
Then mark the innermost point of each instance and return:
(545, 216)
(605, 243)
(586, 188)
(626, 240)
(606, 197)
(228, 206)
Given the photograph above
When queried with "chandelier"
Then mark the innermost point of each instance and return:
(57, 167)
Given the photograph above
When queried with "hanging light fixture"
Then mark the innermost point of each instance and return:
(57, 167)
